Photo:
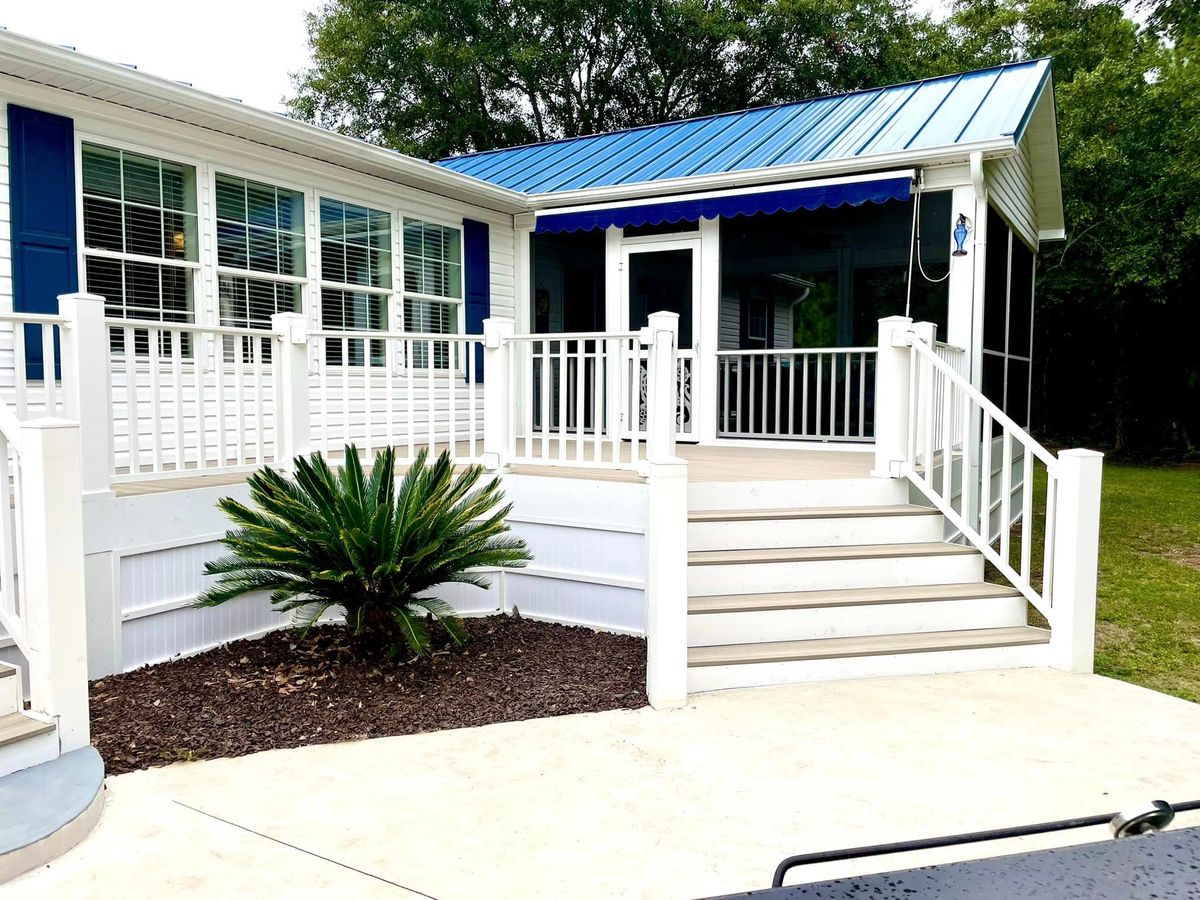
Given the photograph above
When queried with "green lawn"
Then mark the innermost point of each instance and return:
(1148, 620)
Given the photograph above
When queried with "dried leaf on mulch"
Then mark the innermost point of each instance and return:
(283, 690)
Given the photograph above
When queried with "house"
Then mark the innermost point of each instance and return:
(757, 383)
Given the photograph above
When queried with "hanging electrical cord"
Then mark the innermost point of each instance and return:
(914, 249)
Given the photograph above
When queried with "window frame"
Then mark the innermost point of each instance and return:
(194, 268)
(403, 294)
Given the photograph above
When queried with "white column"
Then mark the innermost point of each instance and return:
(666, 583)
(51, 523)
(661, 402)
(960, 312)
(891, 396)
(614, 314)
(498, 410)
(292, 412)
(1076, 555)
(85, 385)
(708, 333)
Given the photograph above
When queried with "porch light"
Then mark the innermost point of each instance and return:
(961, 230)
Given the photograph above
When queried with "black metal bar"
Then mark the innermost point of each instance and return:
(953, 840)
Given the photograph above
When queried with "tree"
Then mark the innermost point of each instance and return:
(436, 78)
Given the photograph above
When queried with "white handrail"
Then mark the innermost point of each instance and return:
(950, 430)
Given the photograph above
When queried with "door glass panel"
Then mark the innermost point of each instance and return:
(661, 281)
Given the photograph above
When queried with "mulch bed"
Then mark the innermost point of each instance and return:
(283, 690)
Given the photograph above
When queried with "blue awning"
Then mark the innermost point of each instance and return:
(727, 204)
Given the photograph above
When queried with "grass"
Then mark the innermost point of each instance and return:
(1148, 616)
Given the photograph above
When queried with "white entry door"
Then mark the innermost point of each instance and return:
(664, 276)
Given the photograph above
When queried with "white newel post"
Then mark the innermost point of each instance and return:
(891, 396)
(497, 405)
(666, 525)
(292, 411)
(85, 385)
(1076, 556)
(51, 511)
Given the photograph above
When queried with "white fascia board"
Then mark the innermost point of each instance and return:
(732, 192)
(260, 124)
(607, 196)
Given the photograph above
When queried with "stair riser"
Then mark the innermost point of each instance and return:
(797, 494)
(10, 694)
(833, 574)
(715, 678)
(711, 629)
(840, 531)
(30, 751)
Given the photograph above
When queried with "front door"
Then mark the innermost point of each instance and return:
(658, 276)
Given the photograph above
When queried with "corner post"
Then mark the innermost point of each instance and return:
(1076, 557)
(292, 409)
(85, 385)
(660, 392)
(497, 405)
(892, 396)
(51, 522)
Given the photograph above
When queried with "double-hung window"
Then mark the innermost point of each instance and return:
(356, 279)
(260, 252)
(140, 248)
(433, 287)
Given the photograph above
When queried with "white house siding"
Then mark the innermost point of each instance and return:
(211, 152)
(1010, 188)
(730, 323)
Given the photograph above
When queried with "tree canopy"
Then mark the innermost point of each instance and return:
(1116, 301)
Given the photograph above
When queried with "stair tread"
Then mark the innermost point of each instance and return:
(17, 727)
(847, 597)
(874, 645)
(6, 671)
(813, 554)
(815, 512)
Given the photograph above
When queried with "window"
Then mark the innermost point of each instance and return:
(356, 278)
(140, 239)
(260, 252)
(433, 286)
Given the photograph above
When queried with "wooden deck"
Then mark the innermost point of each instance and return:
(720, 463)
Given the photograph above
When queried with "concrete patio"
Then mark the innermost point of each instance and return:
(689, 803)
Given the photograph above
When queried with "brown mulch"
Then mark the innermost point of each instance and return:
(283, 690)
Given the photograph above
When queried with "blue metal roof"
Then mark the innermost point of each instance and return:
(920, 115)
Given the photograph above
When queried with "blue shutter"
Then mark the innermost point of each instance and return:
(41, 159)
(476, 268)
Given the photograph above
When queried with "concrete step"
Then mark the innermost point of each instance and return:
(721, 572)
(813, 527)
(787, 662)
(814, 615)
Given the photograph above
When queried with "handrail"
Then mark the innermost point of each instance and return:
(779, 351)
(156, 325)
(364, 334)
(35, 319)
(575, 336)
(976, 428)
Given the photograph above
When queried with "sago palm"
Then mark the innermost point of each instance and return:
(362, 543)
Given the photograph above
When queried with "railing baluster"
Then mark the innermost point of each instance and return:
(985, 485)
(20, 362)
(49, 385)
(1005, 496)
(431, 394)
(131, 403)
(819, 396)
(862, 395)
(777, 361)
(156, 437)
(218, 351)
(259, 401)
(198, 376)
(1026, 513)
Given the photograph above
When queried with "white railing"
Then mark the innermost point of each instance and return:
(36, 339)
(190, 399)
(408, 391)
(985, 473)
(577, 398)
(801, 394)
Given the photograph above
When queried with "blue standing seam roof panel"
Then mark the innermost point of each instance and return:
(854, 193)
(990, 103)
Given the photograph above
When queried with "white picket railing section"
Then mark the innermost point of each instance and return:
(405, 390)
(820, 394)
(36, 338)
(954, 437)
(578, 399)
(12, 604)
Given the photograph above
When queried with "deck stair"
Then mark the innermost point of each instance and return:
(26, 739)
(780, 594)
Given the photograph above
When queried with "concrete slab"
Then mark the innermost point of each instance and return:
(686, 803)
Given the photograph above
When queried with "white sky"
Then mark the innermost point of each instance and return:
(234, 48)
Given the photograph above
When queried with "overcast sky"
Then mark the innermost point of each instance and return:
(235, 48)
